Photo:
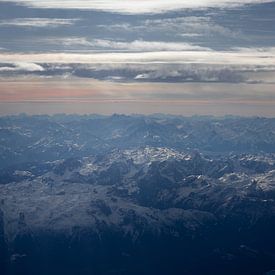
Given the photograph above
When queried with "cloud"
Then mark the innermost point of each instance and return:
(140, 45)
(67, 41)
(135, 6)
(21, 66)
(173, 73)
(146, 72)
(180, 27)
(251, 57)
(136, 45)
(38, 22)
(189, 26)
(193, 74)
(202, 29)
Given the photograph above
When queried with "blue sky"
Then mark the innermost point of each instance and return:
(142, 56)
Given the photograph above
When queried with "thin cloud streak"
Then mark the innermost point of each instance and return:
(37, 22)
(136, 45)
(261, 57)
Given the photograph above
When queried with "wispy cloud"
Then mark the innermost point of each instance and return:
(136, 45)
(140, 45)
(38, 22)
(67, 41)
(184, 26)
(190, 25)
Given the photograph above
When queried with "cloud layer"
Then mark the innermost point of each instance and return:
(136, 6)
(166, 55)
(240, 56)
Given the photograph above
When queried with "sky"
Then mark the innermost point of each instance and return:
(200, 57)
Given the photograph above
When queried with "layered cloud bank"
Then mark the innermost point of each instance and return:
(152, 52)
(237, 66)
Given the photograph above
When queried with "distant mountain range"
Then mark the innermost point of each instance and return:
(31, 138)
(137, 195)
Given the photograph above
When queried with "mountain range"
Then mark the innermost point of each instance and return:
(137, 194)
